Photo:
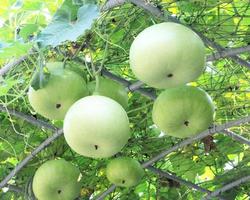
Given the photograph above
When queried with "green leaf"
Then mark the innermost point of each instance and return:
(33, 5)
(68, 9)
(63, 28)
(28, 30)
(15, 49)
(6, 85)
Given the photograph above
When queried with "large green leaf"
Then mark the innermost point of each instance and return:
(14, 49)
(65, 28)
(28, 30)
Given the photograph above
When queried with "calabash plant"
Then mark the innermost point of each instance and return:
(96, 126)
(183, 111)
(111, 89)
(57, 180)
(167, 55)
(124, 172)
(61, 90)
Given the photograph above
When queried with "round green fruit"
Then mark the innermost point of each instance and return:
(167, 55)
(63, 88)
(57, 180)
(96, 126)
(111, 89)
(183, 111)
(124, 171)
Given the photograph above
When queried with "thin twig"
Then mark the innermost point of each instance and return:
(228, 187)
(32, 120)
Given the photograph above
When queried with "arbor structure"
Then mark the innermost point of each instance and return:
(211, 165)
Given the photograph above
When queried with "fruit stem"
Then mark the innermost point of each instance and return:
(96, 73)
(97, 83)
(41, 65)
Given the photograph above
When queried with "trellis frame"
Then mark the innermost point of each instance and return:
(221, 53)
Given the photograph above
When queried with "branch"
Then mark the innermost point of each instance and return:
(220, 49)
(111, 4)
(155, 11)
(20, 165)
(228, 52)
(187, 142)
(228, 187)
(180, 180)
(14, 188)
(59, 132)
(32, 120)
(124, 82)
(135, 86)
(241, 61)
(127, 84)
(104, 194)
(10, 65)
(177, 179)
(236, 137)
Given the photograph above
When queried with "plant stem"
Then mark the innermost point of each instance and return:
(96, 75)
(98, 71)
(97, 83)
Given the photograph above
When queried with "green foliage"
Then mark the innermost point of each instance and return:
(69, 22)
(226, 22)
(28, 30)
(15, 49)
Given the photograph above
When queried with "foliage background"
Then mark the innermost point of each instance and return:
(208, 163)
